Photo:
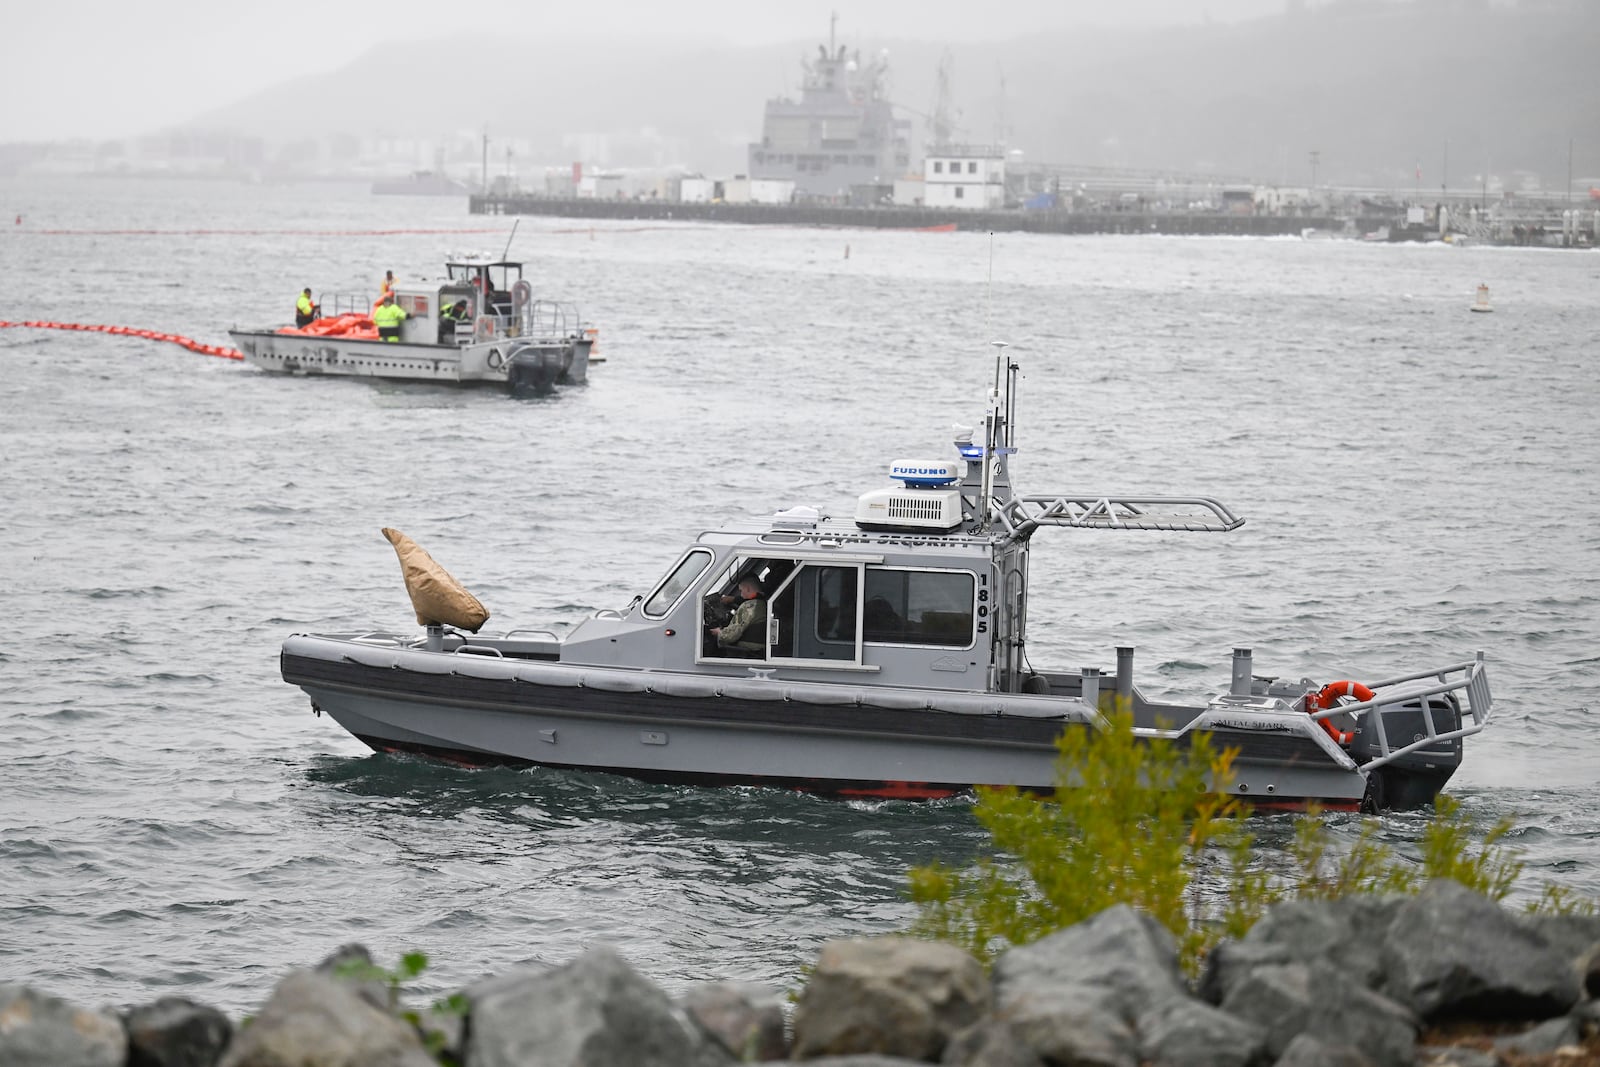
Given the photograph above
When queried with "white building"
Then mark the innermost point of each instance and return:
(962, 176)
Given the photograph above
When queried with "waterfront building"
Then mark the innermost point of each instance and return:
(969, 177)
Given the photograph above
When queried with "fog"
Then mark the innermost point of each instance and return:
(92, 69)
(1381, 94)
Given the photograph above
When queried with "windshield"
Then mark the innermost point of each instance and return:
(691, 567)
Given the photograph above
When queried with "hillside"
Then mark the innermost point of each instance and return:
(1375, 91)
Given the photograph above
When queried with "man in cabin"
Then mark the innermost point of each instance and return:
(305, 312)
(745, 633)
(450, 316)
(387, 317)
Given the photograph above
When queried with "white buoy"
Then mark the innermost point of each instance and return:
(1482, 303)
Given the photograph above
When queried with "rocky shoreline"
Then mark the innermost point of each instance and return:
(1444, 979)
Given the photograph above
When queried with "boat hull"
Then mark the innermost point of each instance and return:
(522, 366)
(669, 726)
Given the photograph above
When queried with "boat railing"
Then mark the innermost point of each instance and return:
(1469, 678)
(540, 320)
(347, 304)
(1021, 515)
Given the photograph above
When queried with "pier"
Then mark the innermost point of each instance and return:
(908, 218)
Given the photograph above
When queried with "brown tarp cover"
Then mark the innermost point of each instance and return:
(435, 596)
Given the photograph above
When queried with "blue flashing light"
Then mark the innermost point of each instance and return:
(970, 452)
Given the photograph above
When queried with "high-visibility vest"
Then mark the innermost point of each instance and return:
(304, 304)
(386, 315)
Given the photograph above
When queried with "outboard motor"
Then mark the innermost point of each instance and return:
(532, 370)
(1413, 780)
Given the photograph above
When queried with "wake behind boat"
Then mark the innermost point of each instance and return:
(480, 324)
(880, 655)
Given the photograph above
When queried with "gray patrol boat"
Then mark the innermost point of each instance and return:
(891, 661)
(480, 324)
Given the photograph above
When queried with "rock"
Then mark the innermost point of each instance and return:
(890, 995)
(352, 964)
(176, 1032)
(1587, 1016)
(1347, 933)
(1543, 1039)
(316, 1020)
(1308, 1051)
(865, 1059)
(1452, 953)
(1127, 958)
(1576, 937)
(989, 1043)
(1190, 1033)
(593, 1012)
(747, 1021)
(39, 1030)
(1455, 1056)
(1290, 999)
(1066, 1024)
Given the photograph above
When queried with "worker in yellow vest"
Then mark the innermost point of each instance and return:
(387, 317)
(305, 312)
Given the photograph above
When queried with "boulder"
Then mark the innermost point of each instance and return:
(1191, 1033)
(1543, 1039)
(352, 964)
(1308, 1051)
(1453, 953)
(39, 1030)
(1575, 936)
(176, 1032)
(1347, 933)
(1291, 999)
(1127, 958)
(748, 1021)
(314, 1019)
(1455, 1056)
(1066, 1024)
(890, 995)
(989, 1043)
(593, 1012)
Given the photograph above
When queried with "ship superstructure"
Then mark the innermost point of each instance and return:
(840, 141)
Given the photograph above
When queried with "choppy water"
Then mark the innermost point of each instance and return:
(1418, 480)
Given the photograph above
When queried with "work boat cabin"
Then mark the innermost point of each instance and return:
(834, 603)
(481, 301)
(924, 587)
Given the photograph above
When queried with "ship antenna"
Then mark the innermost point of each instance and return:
(988, 294)
(514, 224)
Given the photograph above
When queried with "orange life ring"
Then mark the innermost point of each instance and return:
(1328, 697)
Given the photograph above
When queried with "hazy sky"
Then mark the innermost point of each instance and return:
(103, 69)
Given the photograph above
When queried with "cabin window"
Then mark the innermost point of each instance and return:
(972, 168)
(905, 607)
(938, 166)
(690, 568)
(770, 635)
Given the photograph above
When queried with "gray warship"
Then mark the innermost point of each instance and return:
(890, 660)
(840, 141)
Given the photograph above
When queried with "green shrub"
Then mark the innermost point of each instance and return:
(1140, 821)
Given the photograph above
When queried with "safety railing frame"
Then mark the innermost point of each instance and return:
(1474, 683)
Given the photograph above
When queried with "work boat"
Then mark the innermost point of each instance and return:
(480, 323)
(889, 659)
